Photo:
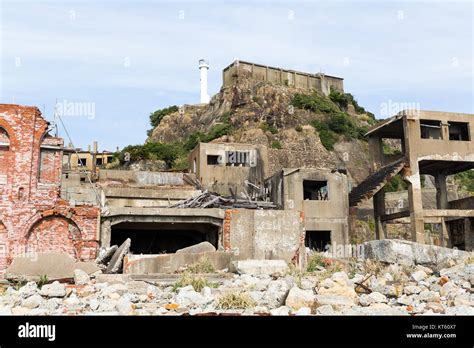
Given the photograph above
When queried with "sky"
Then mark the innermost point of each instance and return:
(108, 64)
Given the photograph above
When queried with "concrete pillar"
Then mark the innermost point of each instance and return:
(416, 205)
(468, 234)
(445, 241)
(105, 233)
(376, 152)
(379, 210)
(441, 191)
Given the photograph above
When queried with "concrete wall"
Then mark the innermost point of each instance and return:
(264, 234)
(140, 178)
(319, 82)
(222, 176)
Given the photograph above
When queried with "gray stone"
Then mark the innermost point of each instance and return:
(124, 306)
(282, 310)
(419, 275)
(435, 307)
(325, 310)
(33, 301)
(410, 253)
(303, 311)
(298, 298)
(29, 289)
(202, 247)
(105, 254)
(56, 289)
(81, 277)
(115, 263)
(50, 265)
(261, 267)
(334, 300)
(411, 289)
(187, 297)
(373, 297)
(460, 310)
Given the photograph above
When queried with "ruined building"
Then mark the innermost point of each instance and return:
(33, 217)
(431, 143)
(318, 82)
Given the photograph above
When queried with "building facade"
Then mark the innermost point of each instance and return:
(33, 217)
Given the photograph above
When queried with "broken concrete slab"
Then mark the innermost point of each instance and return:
(105, 254)
(115, 263)
(259, 267)
(170, 263)
(50, 265)
(204, 247)
(410, 253)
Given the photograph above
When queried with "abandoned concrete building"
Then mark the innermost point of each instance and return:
(319, 82)
(46, 206)
(33, 217)
(321, 195)
(431, 143)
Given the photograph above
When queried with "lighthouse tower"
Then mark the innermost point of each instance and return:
(203, 67)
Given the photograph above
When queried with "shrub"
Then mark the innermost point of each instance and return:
(235, 300)
(198, 283)
(157, 116)
(298, 128)
(396, 184)
(265, 126)
(313, 263)
(276, 145)
(202, 266)
(327, 137)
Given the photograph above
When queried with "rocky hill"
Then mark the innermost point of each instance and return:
(300, 129)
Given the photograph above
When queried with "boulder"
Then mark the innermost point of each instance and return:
(56, 289)
(298, 298)
(410, 253)
(53, 266)
(203, 247)
(81, 277)
(260, 267)
(32, 301)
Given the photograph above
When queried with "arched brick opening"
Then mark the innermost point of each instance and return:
(5, 158)
(4, 248)
(54, 233)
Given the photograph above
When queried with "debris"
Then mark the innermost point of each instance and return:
(81, 277)
(213, 200)
(202, 247)
(298, 298)
(105, 254)
(116, 262)
(50, 266)
(257, 267)
(56, 289)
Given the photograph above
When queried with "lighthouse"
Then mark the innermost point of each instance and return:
(203, 67)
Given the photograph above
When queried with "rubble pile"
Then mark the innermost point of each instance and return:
(212, 200)
(330, 287)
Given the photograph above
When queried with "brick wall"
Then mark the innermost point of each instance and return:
(32, 216)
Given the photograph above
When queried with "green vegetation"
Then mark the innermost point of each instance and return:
(344, 99)
(202, 266)
(465, 180)
(265, 126)
(157, 116)
(314, 262)
(276, 145)
(235, 300)
(198, 283)
(396, 184)
(336, 120)
(175, 153)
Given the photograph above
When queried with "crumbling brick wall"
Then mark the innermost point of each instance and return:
(32, 216)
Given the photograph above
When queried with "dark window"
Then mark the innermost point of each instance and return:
(317, 240)
(459, 131)
(82, 162)
(212, 160)
(430, 129)
(99, 161)
(110, 159)
(315, 190)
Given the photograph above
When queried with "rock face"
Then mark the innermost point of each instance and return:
(410, 253)
(258, 267)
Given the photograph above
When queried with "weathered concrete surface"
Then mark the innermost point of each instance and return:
(265, 234)
(169, 263)
(409, 253)
(116, 261)
(260, 267)
(51, 265)
(204, 247)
